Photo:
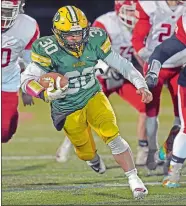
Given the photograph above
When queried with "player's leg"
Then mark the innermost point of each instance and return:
(152, 110)
(9, 115)
(101, 117)
(79, 133)
(128, 93)
(179, 145)
(63, 151)
(166, 148)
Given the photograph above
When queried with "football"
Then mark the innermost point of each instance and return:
(44, 80)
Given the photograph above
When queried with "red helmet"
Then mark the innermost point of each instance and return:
(9, 12)
(122, 8)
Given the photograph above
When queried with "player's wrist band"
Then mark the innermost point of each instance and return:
(33, 88)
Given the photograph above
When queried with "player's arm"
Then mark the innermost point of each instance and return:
(140, 32)
(129, 72)
(25, 57)
(116, 61)
(23, 61)
(121, 65)
(35, 36)
(30, 36)
(29, 80)
(41, 64)
(163, 52)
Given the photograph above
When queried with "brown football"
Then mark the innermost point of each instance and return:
(44, 80)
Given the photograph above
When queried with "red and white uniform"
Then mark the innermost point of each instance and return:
(181, 35)
(120, 37)
(15, 41)
(156, 23)
(119, 34)
(181, 29)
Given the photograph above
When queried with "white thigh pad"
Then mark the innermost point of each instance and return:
(118, 145)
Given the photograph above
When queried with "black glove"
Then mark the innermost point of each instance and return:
(153, 73)
(27, 99)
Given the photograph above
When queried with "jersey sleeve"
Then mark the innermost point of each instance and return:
(27, 30)
(40, 57)
(34, 37)
(180, 31)
(100, 42)
(98, 24)
(141, 29)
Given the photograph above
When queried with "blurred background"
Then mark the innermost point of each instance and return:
(44, 10)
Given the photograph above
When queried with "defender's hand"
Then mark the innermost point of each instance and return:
(151, 79)
(146, 95)
(27, 99)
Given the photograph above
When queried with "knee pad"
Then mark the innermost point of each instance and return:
(118, 145)
(108, 129)
(86, 156)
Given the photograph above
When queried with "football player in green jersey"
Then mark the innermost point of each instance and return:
(73, 51)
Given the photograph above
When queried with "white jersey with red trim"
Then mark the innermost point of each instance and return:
(14, 41)
(181, 29)
(163, 20)
(119, 34)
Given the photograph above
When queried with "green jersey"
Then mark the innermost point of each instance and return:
(50, 57)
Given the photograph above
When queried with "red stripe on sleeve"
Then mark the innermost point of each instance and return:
(35, 37)
(180, 32)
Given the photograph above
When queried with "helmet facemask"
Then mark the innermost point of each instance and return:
(9, 13)
(75, 44)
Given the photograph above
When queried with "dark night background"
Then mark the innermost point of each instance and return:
(44, 10)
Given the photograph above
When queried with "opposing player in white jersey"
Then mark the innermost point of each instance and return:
(173, 48)
(156, 23)
(19, 31)
(119, 24)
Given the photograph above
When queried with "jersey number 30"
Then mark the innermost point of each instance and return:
(5, 56)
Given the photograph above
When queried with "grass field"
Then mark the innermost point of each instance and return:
(31, 176)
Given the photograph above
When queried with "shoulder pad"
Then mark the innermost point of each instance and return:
(39, 52)
(97, 35)
(100, 41)
(148, 7)
(25, 28)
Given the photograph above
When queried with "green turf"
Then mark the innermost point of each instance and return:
(37, 179)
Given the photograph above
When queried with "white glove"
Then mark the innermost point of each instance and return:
(52, 94)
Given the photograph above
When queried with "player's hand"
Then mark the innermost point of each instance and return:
(27, 99)
(146, 95)
(151, 80)
(52, 94)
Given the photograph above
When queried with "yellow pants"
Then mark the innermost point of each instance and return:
(98, 115)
